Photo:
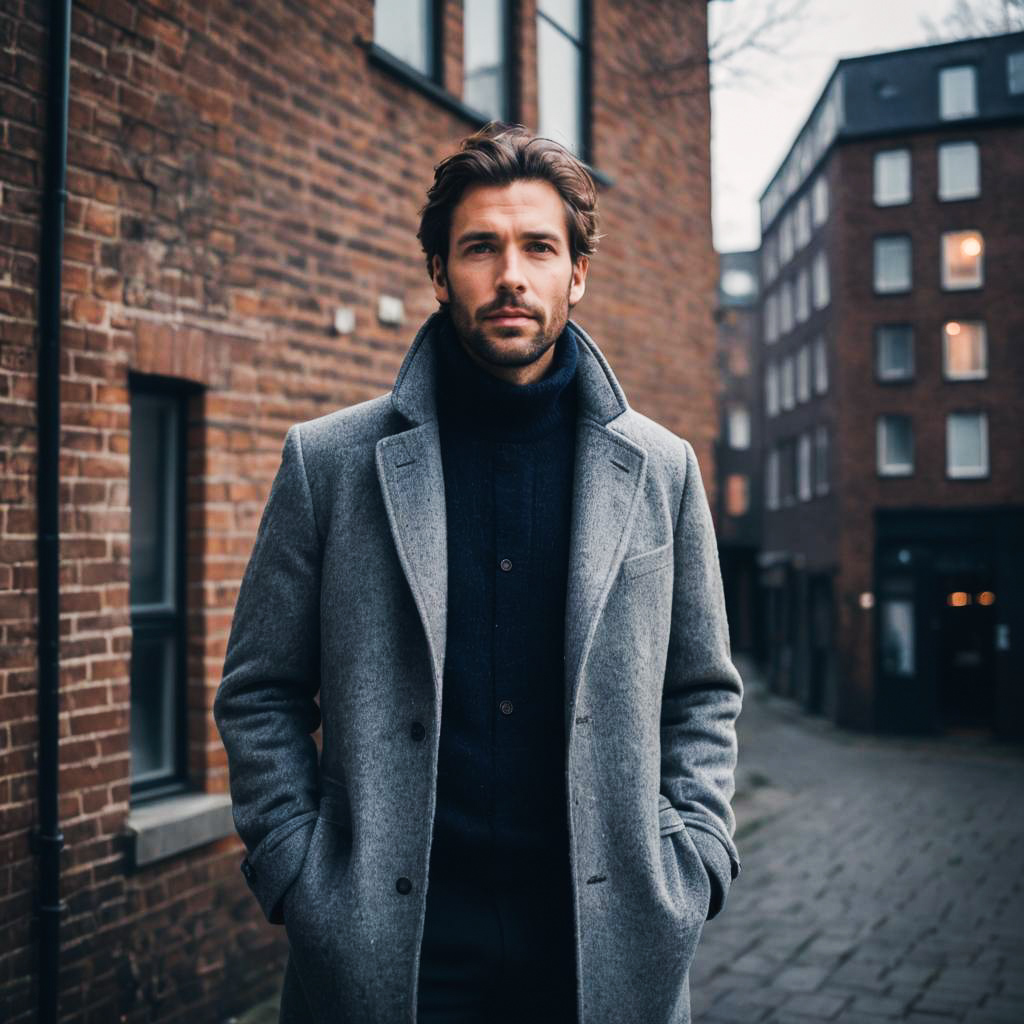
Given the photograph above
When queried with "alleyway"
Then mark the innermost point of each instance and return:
(882, 879)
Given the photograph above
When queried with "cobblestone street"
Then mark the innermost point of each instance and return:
(882, 879)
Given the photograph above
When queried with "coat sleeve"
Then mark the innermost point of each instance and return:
(702, 695)
(264, 707)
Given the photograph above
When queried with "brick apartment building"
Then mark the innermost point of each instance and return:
(893, 393)
(239, 254)
(738, 448)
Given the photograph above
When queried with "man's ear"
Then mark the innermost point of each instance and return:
(439, 275)
(578, 282)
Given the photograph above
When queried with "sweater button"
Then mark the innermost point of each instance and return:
(404, 886)
(506, 565)
(506, 707)
(416, 731)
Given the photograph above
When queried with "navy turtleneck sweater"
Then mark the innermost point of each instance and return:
(508, 454)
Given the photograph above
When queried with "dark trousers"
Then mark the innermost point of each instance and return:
(497, 954)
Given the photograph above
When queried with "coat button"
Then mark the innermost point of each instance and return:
(416, 731)
(404, 886)
(506, 565)
(506, 707)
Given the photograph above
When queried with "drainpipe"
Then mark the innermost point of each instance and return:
(47, 840)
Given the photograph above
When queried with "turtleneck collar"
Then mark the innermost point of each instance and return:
(472, 400)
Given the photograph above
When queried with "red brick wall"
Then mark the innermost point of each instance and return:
(235, 173)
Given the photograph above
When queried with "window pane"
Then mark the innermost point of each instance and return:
(820, 366)
(819, 200)
(803, 222)
(821, 460)
(803, 296)
(786, 307)
(821, 283)
(1015, 73)
(962, 254)
(405, 29)
(803, 374)
(771, 389)
(964, 346)
(559, 83)
(957, 92)
(565, 13)
(153, 710)
(894, 352)
(484, 84)
(787, 383)
(967, 444)
(959, 172)
(804, 467)
(737, 494)
(771, 479)
(153, 490)
(739, 427)
(895, 446)
(892, 177)
(897, 625)
(892, 264)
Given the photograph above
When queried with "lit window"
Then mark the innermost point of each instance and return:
(892, 264)
(803, 222)
(895, 446)
(962, 260)
(739, 427)
(405, 28)
(485, 57)
(786, 307)
(771, 389)
(819, 200)
(1015, 73)
(966, 445)
(803, 374)
(771, 479)
(803, 468)
(786, 384)
(894, 352)
(820, 366)
(560, 73)
(959, 171)
(892, 177)
(821, 459)
(737, 494)
(820, 282)
(965, 355)
(803, 296)
(958, 92)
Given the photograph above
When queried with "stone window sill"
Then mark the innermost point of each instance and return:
(176, 825)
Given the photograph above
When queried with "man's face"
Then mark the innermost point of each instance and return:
(510, 280)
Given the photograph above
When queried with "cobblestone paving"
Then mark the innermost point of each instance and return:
(882, 880)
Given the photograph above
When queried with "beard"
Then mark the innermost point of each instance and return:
(480, 338)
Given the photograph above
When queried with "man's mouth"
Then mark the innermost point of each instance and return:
(509, 316)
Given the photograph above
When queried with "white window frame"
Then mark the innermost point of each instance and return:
(945, 155)
(978, 472)
(819, 200)
(738, 426)
(821, 288)
(944, 269)
(980, 374)
(892, 177)
(952, 107)
(880, 373)
(900, 288)
(884, 466)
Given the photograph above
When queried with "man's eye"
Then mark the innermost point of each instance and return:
(479, 246)
(543, 246)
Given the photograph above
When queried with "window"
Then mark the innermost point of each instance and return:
(892, 264)
(737, 494)
(771, 479)
(820, 282)
(820, 366)
(966, 445)
(407, 29)
(1015, 73)
(803, 374)
(157, 589)
(769, 259)
(895, 446)
(771, 317)
(787, 472)
(819, 200)
(821, 459)
(803, 468)
(786, 307)
(892, 177)
(786, 383)
(803, 222)
(894, 352)
(785, 240)
(959, 171)
(803, 296)
(771, 389)
(739, 427)
(560, 73)
(958, 92)
(485, 57)
(962, 260)
(965, 355)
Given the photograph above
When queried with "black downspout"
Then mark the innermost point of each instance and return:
(48, 839)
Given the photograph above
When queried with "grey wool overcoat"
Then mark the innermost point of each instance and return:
(344, 597)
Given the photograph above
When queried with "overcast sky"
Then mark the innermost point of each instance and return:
(756, 114)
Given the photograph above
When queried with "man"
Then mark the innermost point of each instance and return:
(503, 584)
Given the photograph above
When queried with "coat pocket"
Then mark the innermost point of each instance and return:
(648, 561)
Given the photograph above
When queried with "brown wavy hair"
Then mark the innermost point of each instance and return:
(499, 154)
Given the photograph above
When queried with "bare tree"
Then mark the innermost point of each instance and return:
(970, 18)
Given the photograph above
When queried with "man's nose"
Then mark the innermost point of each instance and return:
(510, 275)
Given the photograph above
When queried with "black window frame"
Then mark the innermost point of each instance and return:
(510, 64)
(586, 75)
(435, 73)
